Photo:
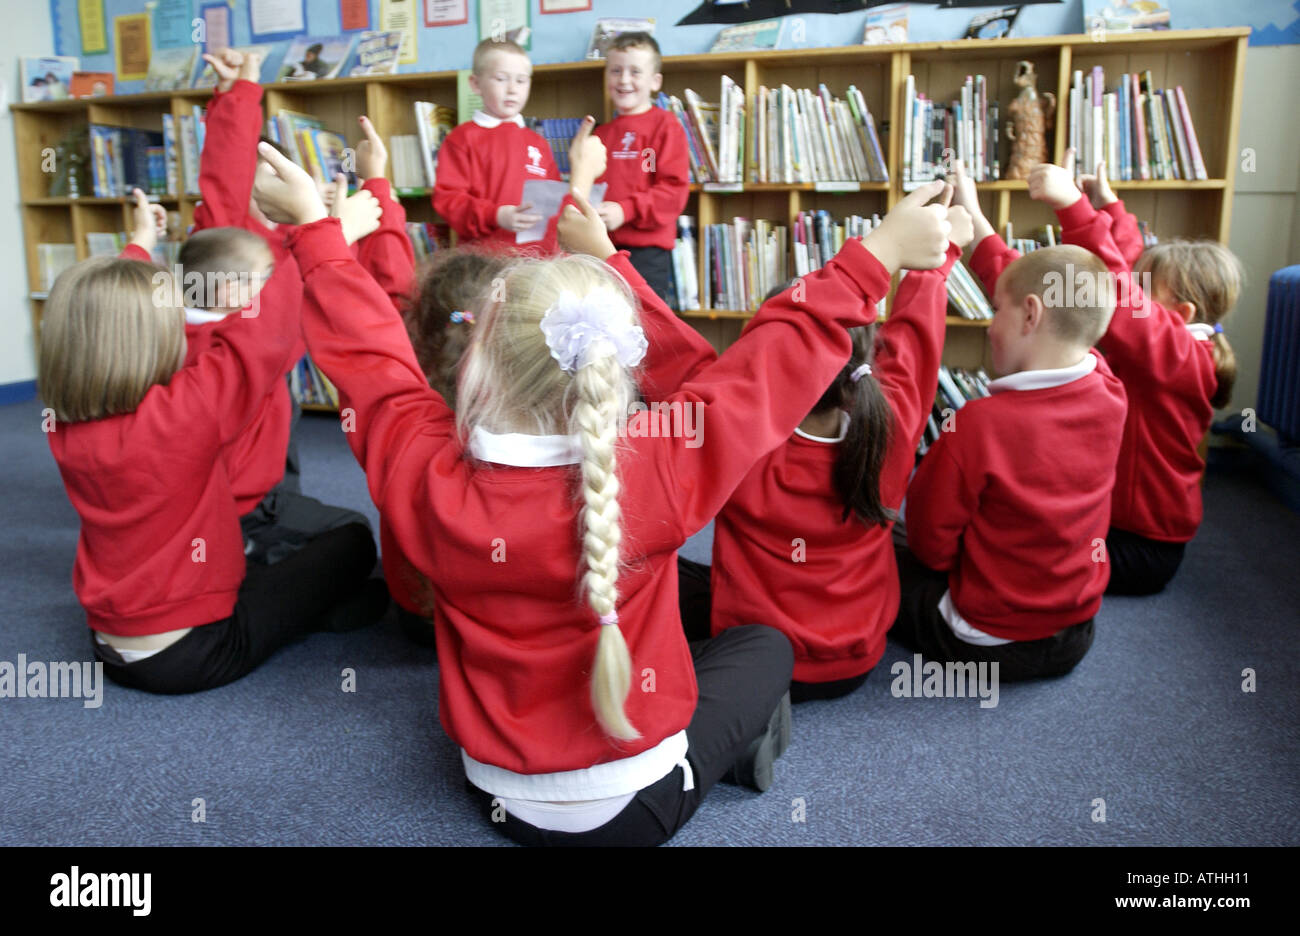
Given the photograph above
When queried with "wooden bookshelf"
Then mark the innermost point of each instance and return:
(1208, 63)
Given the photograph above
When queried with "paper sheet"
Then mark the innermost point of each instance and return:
(545, 195)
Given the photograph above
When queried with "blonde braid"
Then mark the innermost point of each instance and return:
(596, 418)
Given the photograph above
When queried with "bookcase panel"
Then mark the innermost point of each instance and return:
(100, 218)
(139, 118)
(44, 225)
(566, 96)
(720, 332)
(1177, 214)
(37, 137)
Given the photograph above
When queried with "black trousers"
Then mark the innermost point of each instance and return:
(695, 602)
(656, 267)
(1140, 566)
(742, 674)
(922, 629)
(285, 521)
(277, 605)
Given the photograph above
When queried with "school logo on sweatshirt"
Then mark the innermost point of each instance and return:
(627, 151)
(534, 162)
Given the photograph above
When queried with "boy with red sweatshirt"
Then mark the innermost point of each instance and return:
(648, 171)
(484, 163)
(1008, 512)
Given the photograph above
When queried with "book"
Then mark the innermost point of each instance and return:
(53, 259)
(1124, 16)
(205, 77)
(125, 158)
(1193, 147)
(46, 78)
(171, 155)
(885, 24)
(90, 84)
(433, 124)
(313, 58)
(170, 69)
(706, 120)
(376, 54)
(749, 37)
(467, 100)
(607, 30)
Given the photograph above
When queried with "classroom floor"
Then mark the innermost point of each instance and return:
(1153, 721)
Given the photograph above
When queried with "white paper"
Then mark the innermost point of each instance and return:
(545, 195)
(276, 16)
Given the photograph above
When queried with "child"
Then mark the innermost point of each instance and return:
(537, 675)
(1169, 349)
(805, 542)
(234, 252)
(141, 442)
(1008, 511)
(649, 168)
(484, 163)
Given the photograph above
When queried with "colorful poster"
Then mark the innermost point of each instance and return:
(446, 12)
(216, 27)
(131, 46)
(270, 20)
(93, 38)
(354, 14)
(399, 16)
(505, 19)
(171, 23)
(565, 6)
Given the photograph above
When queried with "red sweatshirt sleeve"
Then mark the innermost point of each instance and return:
(676, 352)
(246, 357)
(470, 217)
(990, 257)
(907, 363)
(135, 252)
(941, 501)
(1124, 230)
(661, 204)
(226, 171)
(386, 254)
(751, 399)
(1143, 336)
(364, 349)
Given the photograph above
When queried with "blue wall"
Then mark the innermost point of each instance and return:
(563, 37)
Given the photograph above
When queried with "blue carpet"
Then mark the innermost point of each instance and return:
(1153, 721)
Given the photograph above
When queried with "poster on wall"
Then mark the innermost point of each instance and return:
(398, 16)
(171, 23)
(565, 6)
(354, 14)
(46, 79)
(90, 13)
(711, 11)
(215, 25)
(446, 12)
(270, 20)
(131, 46)
(505, 19)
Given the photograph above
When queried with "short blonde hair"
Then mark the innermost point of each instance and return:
(485, 49)
(110, 332)
(510, 383)
(220, 255)
(1075, 286)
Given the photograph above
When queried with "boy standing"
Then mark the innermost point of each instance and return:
(1011, 506)
(648, 164)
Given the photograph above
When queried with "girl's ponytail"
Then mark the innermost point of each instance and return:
(1225, 371)
(871, 421)
(596, 414)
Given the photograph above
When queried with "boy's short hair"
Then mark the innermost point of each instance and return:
(1076, 289)
(111, 331)
(637, 40)
(485, 49)
(451, 281)
(219, 253)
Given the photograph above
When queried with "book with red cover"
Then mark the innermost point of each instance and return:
(90, 84)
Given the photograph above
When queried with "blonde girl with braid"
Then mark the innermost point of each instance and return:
(547, 519)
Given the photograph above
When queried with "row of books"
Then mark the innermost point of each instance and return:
(111, 243)
(51, 260)
(686, 284)
(966, 128)
(743, 260)
(957, 387)
(558, 132)
(182, 146)
(427, 238)
(309, 144)
(1047, 236)
(414, 157)
(310, 386)
(818, 237)
(965, 296)
(1141, 132)
(123, 158)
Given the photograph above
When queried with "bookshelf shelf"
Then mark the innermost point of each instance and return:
(1209, 63)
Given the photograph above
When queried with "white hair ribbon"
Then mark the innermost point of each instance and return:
(862, 370)
(578, 330)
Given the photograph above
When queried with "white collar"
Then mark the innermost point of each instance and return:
(484, 119)
(1200, 331)
(524, 451)
(1042, 379)
(202, 316)
(844, 430)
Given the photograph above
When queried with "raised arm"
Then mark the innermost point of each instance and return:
(1125, 232)
(386, 254)
(234, 122)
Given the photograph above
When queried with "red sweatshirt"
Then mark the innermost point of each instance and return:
(1015, 502)
(481, 168)
(514, 642)
(160, 546)
(782, 553)
(1125, 232)
(1169, 375)
(257, 457)
(648, 171)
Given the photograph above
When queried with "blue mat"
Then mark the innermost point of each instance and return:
(1154, 721)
